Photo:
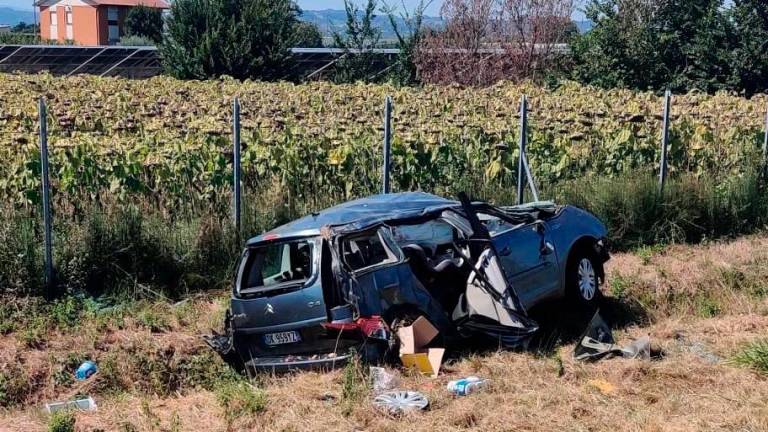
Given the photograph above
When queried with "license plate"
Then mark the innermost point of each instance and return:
(282, 338)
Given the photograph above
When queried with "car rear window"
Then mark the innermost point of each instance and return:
(278, 264)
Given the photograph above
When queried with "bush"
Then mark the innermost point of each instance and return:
(136, 41)
(307, 35)
(14, 385)
(239, 38)
(144, 22)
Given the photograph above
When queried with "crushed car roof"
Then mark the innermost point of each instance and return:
(361, 213)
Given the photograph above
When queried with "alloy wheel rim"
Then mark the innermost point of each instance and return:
(587, 280)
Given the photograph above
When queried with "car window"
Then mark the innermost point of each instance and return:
(278, 263)
(494, 224)
(366, 250)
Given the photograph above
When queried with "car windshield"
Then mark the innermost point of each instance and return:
(277, 264)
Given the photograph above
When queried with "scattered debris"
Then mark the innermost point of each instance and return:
(327, 397)
(466, 386)
(383, 380)
(85, 370)
(597, 343)
(413, 340)
(81, 404)
(401, 402)
(697, 348)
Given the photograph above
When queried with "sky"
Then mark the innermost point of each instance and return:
(434, 8)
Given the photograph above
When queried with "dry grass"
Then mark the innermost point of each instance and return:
(692, 388)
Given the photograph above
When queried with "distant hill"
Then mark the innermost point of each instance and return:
(15, 16)
(333, 20)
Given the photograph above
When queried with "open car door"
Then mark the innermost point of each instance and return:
(490, 304)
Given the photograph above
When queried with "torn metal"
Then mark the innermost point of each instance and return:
(468, 267)
(597, 343)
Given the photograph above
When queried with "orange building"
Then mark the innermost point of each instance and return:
(88, 22)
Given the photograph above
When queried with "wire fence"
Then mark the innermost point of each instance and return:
(524, 175)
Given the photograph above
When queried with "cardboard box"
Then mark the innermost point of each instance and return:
(413, 340)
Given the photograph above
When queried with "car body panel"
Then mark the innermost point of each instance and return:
(529, 259)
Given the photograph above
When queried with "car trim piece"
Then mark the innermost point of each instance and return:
(282, 327)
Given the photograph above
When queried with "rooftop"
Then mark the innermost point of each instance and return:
(364, 211)
(160, 4)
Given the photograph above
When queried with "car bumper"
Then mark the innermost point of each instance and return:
(291, 362)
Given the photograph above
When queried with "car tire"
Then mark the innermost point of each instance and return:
(582, 279)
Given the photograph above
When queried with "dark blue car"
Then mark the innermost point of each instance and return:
(308, 292)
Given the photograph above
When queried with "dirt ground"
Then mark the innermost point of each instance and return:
(683, 297)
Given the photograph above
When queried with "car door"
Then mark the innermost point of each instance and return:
(381, 277)
(529, 259)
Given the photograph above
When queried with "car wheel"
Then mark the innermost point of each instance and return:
(583, 283)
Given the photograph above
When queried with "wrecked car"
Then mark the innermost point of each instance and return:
(309, 292)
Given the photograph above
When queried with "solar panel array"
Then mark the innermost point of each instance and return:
(129, 62)
(144, 62)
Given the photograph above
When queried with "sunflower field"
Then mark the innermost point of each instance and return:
(169, 140)
(141, 171)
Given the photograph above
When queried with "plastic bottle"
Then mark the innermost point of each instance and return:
(465, 386)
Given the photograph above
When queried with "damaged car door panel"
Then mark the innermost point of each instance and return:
(308, 292)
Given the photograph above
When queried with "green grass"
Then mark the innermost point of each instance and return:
(239, 399)
(154, 321)
(354, 384)
(62, 421)
(133, 250)
(754, 356)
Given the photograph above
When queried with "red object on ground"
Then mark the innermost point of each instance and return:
(367, 326)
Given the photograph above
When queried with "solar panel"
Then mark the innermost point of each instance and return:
(66, 60)
(144, 62)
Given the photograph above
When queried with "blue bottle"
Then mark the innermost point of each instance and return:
(85, 370)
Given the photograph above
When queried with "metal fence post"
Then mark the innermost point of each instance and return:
(529, 175)
(664, 141)
(45, 183)
(522, 145)
(386, 188)
(236, 163)
(765, 140)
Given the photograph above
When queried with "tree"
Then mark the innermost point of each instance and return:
(408, 40)
(144, 22)
(749, 58)
(621, 50)
(307, 35)
(23, 27)
(239, 38)
(358, 41)
(485, 41)
(656, 44)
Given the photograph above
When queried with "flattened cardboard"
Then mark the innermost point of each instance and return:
(428, 363)
(413, 339)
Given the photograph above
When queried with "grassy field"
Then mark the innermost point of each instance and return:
(704, 307)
